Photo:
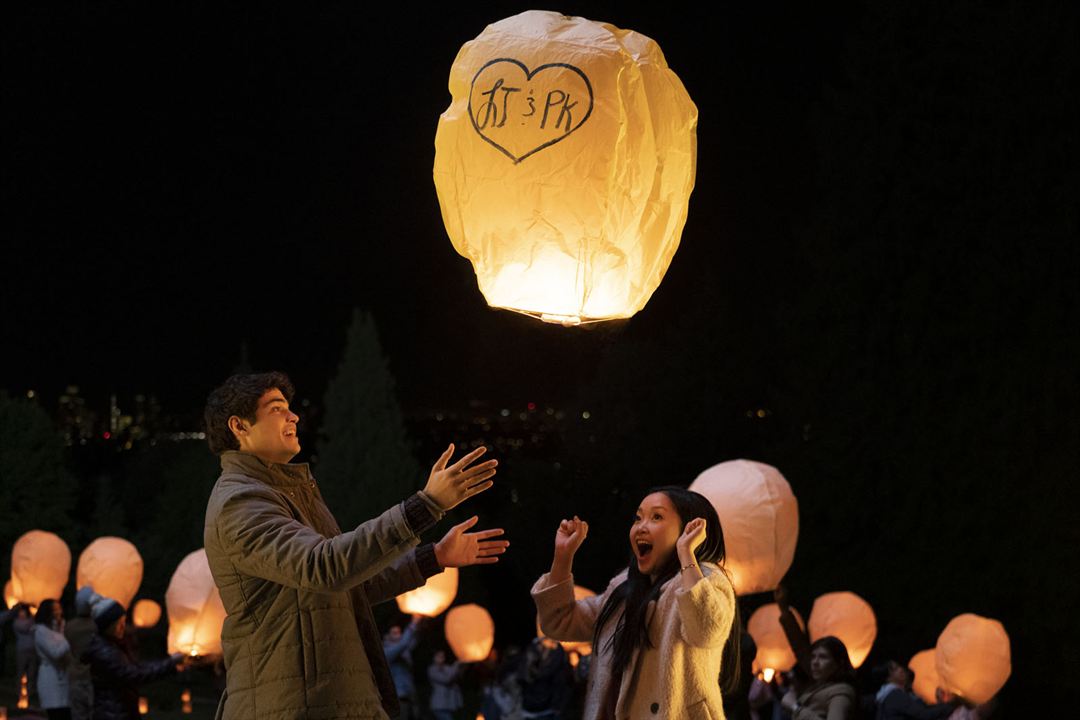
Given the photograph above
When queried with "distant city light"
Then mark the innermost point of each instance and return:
(106, 435)
(531, 406)
(30, 394)
(504, 412)
(586, 415)
(761, 413)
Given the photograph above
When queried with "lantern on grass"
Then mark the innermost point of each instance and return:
(564, 165)
(923, 664)
(470, 631)
(40, 565)
(146, 613)
(113, 567)
(760, 517)
(973, 657)
(572, 648)
(847, 616)
(194, 607)
(433, 597)
(774, 653)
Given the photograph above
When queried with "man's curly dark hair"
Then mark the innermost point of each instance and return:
(239, 395)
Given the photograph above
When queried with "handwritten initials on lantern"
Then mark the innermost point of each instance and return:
(520, 111)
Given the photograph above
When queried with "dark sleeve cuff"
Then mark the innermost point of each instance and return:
(425, 560)
(417, 514)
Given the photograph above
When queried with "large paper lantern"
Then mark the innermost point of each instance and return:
(40, 566)
(564, 165)
(760, 518)
(973, 657)
(774, 653)
(923, 664)
(847, 616)
(196, 613)
(470, 631)
(581, 648)
(146, 613)
(433, 597)
(113, 567)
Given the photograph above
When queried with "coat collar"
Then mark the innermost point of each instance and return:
(273, 474)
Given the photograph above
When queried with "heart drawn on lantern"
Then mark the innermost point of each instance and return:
(520, 111)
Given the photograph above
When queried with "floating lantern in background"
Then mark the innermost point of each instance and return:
(760, 517)
(564, 165)
(40, 566)
(433, 597)
(470, 632)
(194, 607)
(11, 595)
(774, 652)
(973, 657)
(847, 616)
(144, 706)
(146, 613)
(926, 677)
(113, 567)
(572, 648)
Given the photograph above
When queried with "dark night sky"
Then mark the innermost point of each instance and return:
(177, 181)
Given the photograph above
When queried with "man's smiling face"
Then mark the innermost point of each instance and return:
(272, 436)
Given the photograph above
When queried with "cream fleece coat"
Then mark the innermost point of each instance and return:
(676, 679)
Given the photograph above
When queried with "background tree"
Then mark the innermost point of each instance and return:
(365, 463)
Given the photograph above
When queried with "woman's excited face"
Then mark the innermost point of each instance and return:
(656, 528)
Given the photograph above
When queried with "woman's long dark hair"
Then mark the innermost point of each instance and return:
(833, 645)
(634, 594)
(46, 612)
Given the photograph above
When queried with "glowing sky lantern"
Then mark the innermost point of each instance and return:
(146, 613)
(973, 657)
(433, 597)
(564, 165)
(40, 566)
(581, 648)
(847, 616)
(927, 681)
(760, 518)
(470, 632)
(113, 567)
(774, 653)
(194, 607)
(11, 595)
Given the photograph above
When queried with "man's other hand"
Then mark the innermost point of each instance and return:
(449, 486)
(459, 548)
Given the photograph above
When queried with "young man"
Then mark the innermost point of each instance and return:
(300, 640)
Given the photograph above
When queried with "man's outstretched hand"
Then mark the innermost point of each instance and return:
(459, 548)
(449, 486)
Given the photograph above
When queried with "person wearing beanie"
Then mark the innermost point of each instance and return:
(79, 631)
(114, 671)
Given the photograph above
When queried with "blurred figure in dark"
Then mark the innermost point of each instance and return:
(398, 645)
(896, 701)
(737, 703)
(446, 699)
(831, 693)
(54, 654)
(545, 680)
(115, 672)
(26, 658)
(79, 631)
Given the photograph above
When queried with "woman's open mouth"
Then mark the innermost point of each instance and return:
(643, 548)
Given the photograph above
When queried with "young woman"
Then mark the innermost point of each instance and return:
(831, 695)
(666, 628)
(55, 654)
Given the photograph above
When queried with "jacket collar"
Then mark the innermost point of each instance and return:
(274, 474)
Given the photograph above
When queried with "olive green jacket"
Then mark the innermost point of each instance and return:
(299, 640)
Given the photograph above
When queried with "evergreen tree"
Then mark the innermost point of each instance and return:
(36, 491)
(365, 460)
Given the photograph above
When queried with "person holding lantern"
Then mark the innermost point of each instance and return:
(666, 627)
(300, 640)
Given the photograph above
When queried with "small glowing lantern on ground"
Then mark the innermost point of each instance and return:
(847, 616)
(24, 697)
(144, 706)
(433, 597)
(774, 653)
(113, 567)
(470, 631)
(40, 565)
(185, 702)
(973, 657)
(572, 648)
(146, 613)
(564, 165)
(926, 677)
(760, 518)
(194, 607)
